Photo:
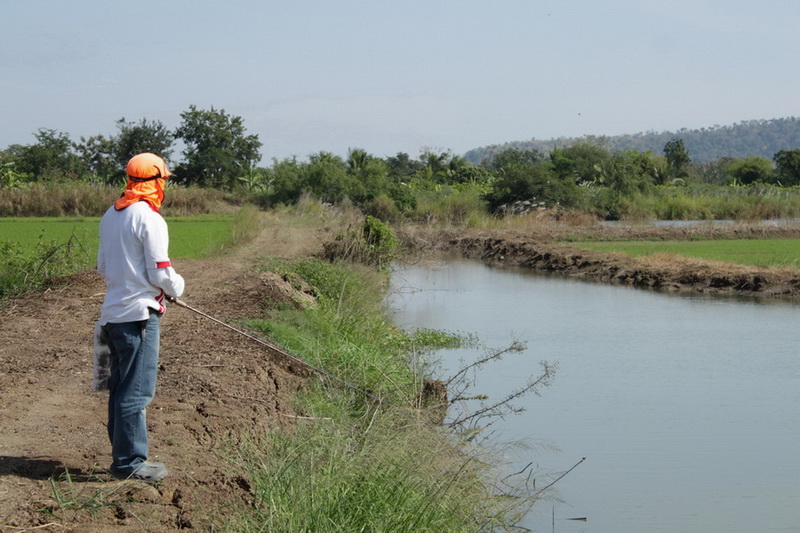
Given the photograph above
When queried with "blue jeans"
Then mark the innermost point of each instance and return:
(132, 385)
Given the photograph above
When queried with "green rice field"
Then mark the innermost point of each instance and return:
(754, 252)
(189, 237)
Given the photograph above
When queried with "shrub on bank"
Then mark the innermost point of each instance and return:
(370, 241)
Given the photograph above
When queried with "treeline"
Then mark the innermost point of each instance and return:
(219, 154)
(745, 139)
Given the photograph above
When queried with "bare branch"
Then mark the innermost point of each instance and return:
(513, 347)
(504, 406)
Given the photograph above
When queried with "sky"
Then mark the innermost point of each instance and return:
(388, 76)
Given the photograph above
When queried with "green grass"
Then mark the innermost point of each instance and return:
(397, 476)
(754, 252)
(189, 237)
(348, 332)
(355, 463)
(36, 250)
(198, 236)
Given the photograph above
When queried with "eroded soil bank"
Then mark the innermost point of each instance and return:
(536, 249)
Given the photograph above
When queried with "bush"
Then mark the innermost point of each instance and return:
(383, 207)
(373, 243)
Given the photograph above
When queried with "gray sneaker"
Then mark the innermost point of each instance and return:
(147, 471)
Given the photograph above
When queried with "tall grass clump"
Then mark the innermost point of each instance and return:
(185, 201)
(77, 494)
(398, 475)
(58, 199)
(370, 241)
(25, 270)
(364, 455)
(451, 206)
(247, 225)
(703, 202)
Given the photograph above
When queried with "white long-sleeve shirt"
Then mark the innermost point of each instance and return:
(133, 258)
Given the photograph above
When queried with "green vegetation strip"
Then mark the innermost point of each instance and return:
(754, 252)
(352, 464)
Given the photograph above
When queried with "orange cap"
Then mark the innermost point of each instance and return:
(147, 166)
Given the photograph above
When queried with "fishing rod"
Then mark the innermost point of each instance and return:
(272, 346)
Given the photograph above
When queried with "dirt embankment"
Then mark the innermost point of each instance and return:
(212, 384)
(537, 249)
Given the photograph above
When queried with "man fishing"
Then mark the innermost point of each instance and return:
(133, 259)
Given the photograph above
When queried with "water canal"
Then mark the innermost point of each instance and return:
(687, 408)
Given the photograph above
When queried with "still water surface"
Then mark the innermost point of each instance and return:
(686, 408)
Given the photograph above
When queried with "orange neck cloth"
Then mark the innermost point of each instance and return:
(151, 191)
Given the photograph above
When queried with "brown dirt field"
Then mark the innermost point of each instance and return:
(212, 384)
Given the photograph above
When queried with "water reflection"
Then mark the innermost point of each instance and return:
(688, 408)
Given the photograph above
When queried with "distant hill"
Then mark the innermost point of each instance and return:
(745, 139)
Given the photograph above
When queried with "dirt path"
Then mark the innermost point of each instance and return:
(211, 382)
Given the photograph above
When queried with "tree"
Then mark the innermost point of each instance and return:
(373, 190)
(97, 155)
(754, 169)
(106, 158)
(513, 156)
(525, 176)
(433, 166)
(459, 170)
(370, 175)
(677, 158)
(787, 165)
(327, 178)
(51, 157)
(143, 136)
(580, 162)
(401, 167)
(286, 181)
(218, 150)
(628, 173)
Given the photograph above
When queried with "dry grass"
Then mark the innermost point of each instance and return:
(82, 199)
